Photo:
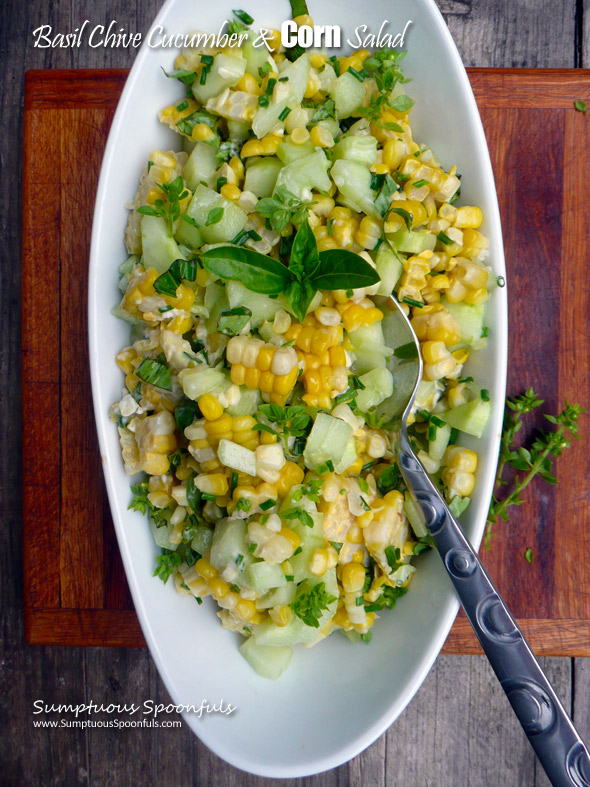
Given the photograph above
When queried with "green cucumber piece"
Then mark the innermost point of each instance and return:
(237, 457)
(288, 151)
(410, 242)
(356, 148)
(297, 76)
(262, 175)
(202, 539)
(348, 94)
(201, 165)
(158, 250)
(369, 346)
(269, 662)
(262, 307)
(196, 381)
(162, 536)
(327, 441)
(232, 222)
(415, 516)
(378, 386)
(348, 458)
(438, 446)
(471, 417)
(277, 597)
(238, 130)
(389, 267)
(215, 302)
(470, 317)
(188, 236)
(226, 71)
(263, 576)
(354, 184)
(229, 541)
(306, 173)
(247, 404)
(256, 57)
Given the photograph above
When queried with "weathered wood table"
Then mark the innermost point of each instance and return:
(459, 729)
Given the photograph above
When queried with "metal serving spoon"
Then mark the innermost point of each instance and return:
(551, 733)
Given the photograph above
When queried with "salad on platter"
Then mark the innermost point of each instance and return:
(263, 370)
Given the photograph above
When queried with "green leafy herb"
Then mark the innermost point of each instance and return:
(168, 282)
(156, 373)
(383, 198)
(243, 16)
(389, 480)
(232, 321)
(214, 216)
(187, 77)
(255, 271)
(580, 106)
(283, 207)
(384, 67)
(407, 217)
(168, 208)
(529, 555)
(536, 460)
(290, 421)
(406, 351)
(186, 412)
(419, 183)
(402, 104)
(140, 502)
(243, 504)
(298, 513)
(393, 555)
(309, 606)
(360, 75)
(337, 545)
(443, 238)
(167, 562)
(387, 599)
(267, 504)
(326, 110)
(193, 495)
(424, 544)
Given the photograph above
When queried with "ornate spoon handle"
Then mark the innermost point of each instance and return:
(550, 731)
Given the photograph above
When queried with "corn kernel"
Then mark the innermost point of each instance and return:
(210, 406)
(353, 577)
(202, 132)
(321, 137)
(231, 192)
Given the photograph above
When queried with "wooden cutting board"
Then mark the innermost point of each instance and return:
(75, 587)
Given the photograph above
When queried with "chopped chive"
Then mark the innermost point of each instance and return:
(267, 504)
(252, 547)
(419, 183)
(485, 394)
(182, 106)
(263, 101)
(431, 433)
(412, 302)
(368, 464)
(360, 75)
(243, 16)
(284, 113)
(207, 496)
(289, 577)
(443, 238)
(270, 86)
(234, 483)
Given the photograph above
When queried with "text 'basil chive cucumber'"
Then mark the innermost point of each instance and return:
(260, 357)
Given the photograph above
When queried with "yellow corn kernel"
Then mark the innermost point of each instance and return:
(368, 233)
(458, 481)
(317, 59)
(313, 85)
(245, 609)
(461, 355)
(291, 536)
(325, 244)
(210, 406)
(468, 217)
(476, 296)
(318, 562)
(303, 19)
(153, 195)
(290, 475)
(269, 144)
(237, 167)
(248, 84)
(273, 40)
(393, 152)
(205, 569)
(219, 425)
(380, 169)
(299, 136)
(125, 360)
(281, 616)
(238, 373)
(230, 191)
(267, 439)
(458, 395)
(433, 352)
(264, 358)
(283, 384)
(218, 587)
(355, 535)
(251, 148)
(353, 577)
(212, 484)
(202, 132)
(180, 324)
(321, 137)
(252, 378)
(459, 458)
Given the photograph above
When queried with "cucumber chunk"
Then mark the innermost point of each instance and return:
(262, 307)
(263, 576)
(369, 346)
(438, 446)
(269, 662)
(415, 516)
(158, 250)
(196, 382)
(226, 71)
(389, 268)
(378, 386)
(354, 184)
(232, 222)
(262, 175)
(410, 242)
(470, 317)
(162, 536)
(288, 151)
(247, 404)
(348, 94)
(229, 541)
(202, 539)
(201, 165)
(327, 441)
(471, 417)
(277, 597)
(297, 76)
(306, 173)
(237, 457)
(356, 148)
(188, 235)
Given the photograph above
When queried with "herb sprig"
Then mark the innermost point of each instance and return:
(536, 460)
(308, 270)
(169, 207)
(283, 207)
(309, 606)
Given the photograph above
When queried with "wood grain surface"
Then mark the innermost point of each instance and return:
(458, 731)
(75, 591)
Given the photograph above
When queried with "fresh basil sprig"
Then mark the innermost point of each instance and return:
(308, 271)
(168, 282)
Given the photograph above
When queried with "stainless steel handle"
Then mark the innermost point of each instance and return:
(549, 729)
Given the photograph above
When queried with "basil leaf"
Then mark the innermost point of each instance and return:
(167, 283)
(342, 270)
(156, 373)
(304, 259)
(255, 271)
(193, 495)
(407, 217)
(299, 296)
(188, 77)
(186, 412)
(406, 351)
(147, 210)
(232, 321)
